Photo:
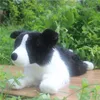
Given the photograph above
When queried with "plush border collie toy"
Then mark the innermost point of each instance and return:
(45, 64)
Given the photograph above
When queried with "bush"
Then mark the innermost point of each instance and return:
(6, 44)
(86, 31)
(76, 22)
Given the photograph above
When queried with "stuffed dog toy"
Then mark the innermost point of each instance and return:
(46, 65)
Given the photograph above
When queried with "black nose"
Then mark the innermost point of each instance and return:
(14, 56)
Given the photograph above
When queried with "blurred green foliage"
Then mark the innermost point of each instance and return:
(6, 44)
(78, 23)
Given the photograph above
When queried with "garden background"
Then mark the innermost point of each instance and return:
(78, 24)
(76, 21)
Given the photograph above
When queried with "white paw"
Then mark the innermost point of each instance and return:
(46, 87)
(70, 50)
(90, 65)
(15, 85)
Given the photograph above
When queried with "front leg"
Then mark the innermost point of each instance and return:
(22, 82)
(52, 84)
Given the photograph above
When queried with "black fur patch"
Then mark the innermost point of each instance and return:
(39, 51)
(75, 64)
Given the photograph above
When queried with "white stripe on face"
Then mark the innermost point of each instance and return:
(22, 56)
(23, 43)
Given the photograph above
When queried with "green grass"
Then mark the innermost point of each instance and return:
(87, 91)
(6, 43)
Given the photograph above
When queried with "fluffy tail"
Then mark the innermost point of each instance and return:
(90, 65)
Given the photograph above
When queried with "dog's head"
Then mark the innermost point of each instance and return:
(33, 47)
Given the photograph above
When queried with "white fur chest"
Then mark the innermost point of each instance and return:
(55, 68)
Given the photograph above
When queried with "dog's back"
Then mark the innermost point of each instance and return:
(75, 65)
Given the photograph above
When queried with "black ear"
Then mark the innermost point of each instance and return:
(15, 34)
(50, 37)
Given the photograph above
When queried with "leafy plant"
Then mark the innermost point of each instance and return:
(76, 22)
(6, 44)
(3, 4)
(87, 91)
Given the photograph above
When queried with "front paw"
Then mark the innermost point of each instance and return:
(15, 84)
(46, 87)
